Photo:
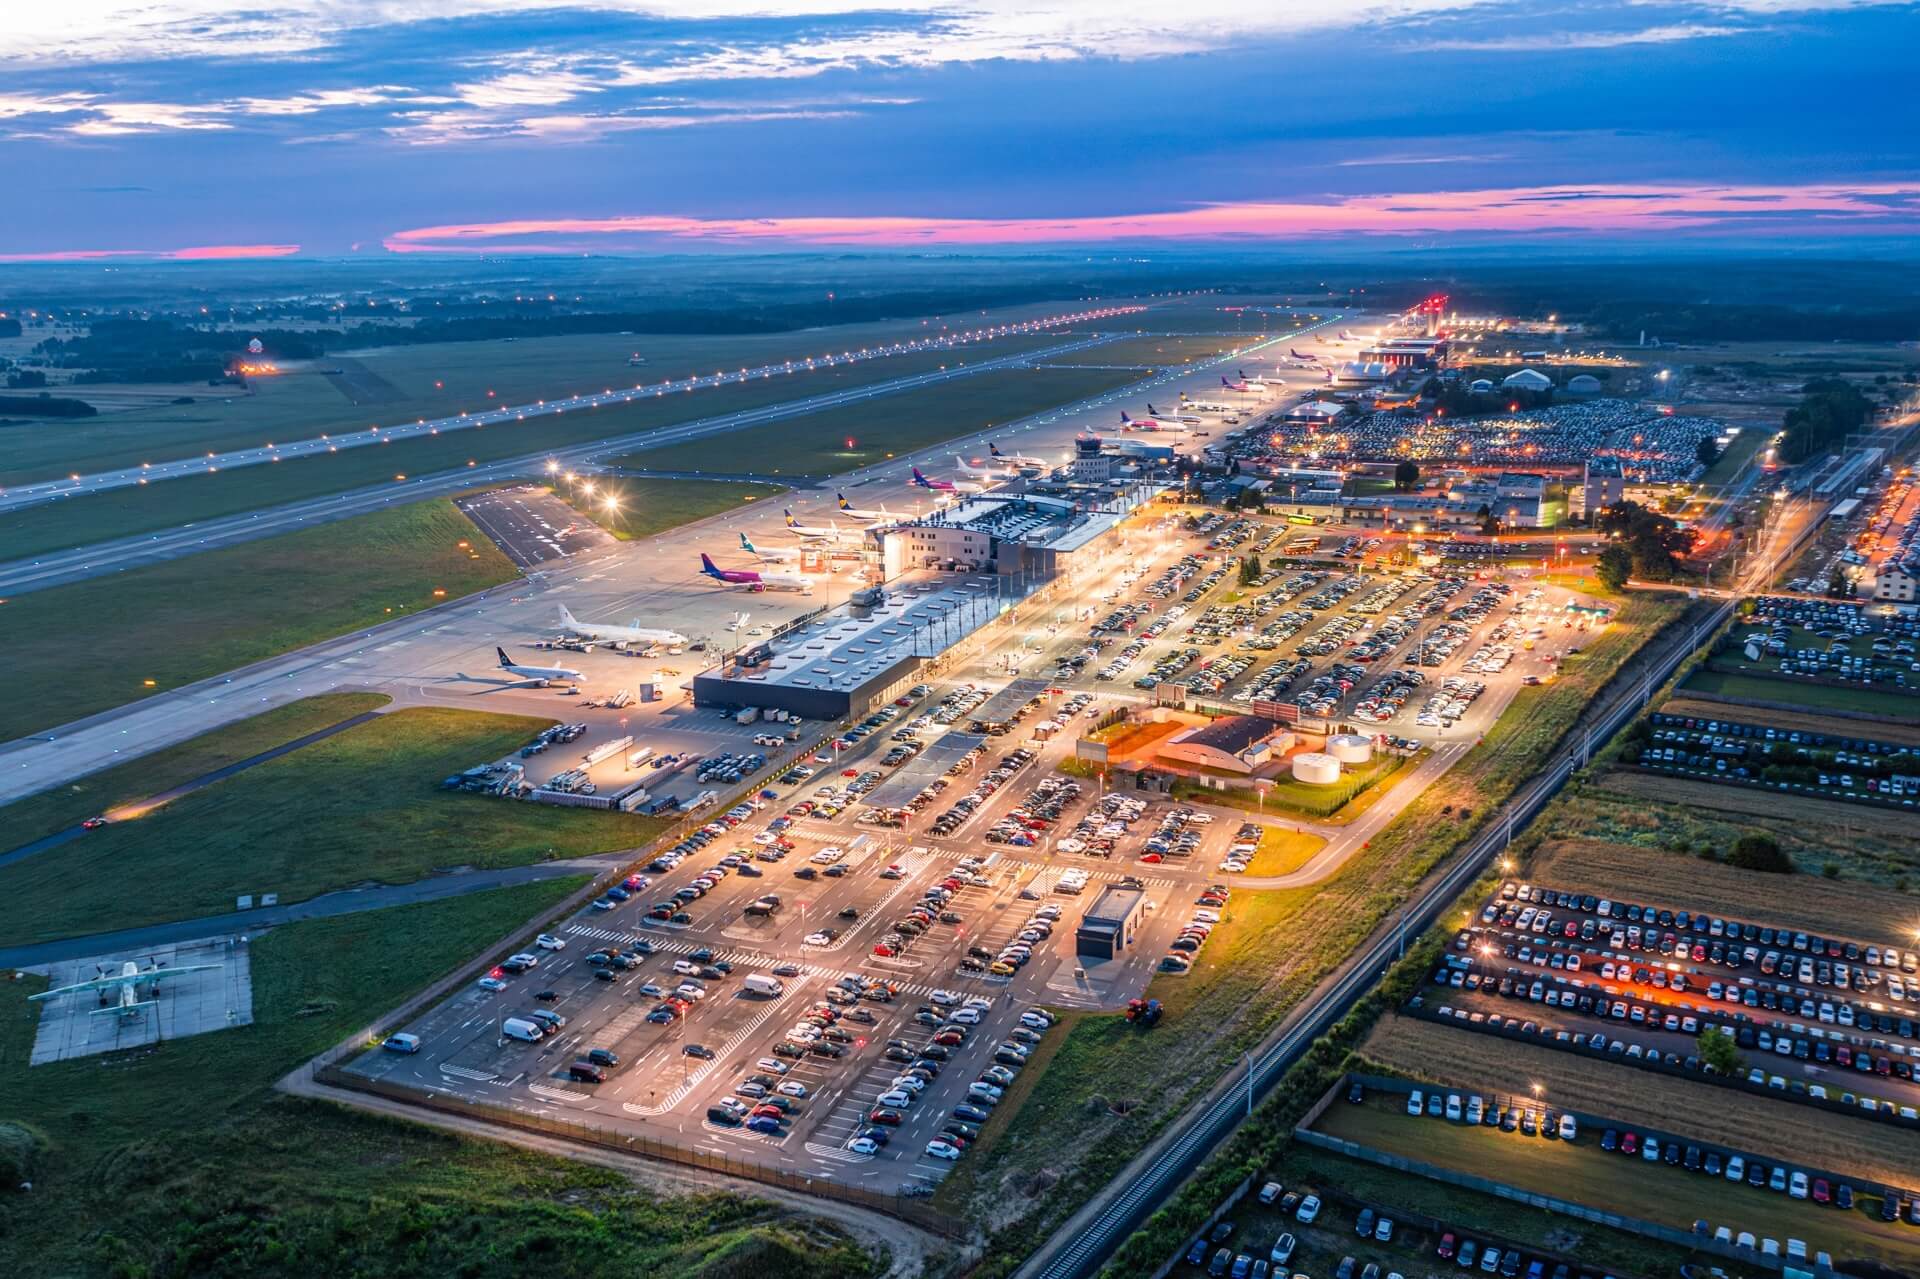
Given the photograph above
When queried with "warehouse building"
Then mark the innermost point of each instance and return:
(1232, 744)
(1110, 924)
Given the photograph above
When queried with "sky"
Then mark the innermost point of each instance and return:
(194, 129)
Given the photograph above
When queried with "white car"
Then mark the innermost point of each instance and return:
(524, 959)
(804, 1034)
(944, 998)
(686, 968)
(909, 1083)
(941, 1150)
(792, 1088)
(1309, 1209)
(965, 1016)
(1034, 1021)
(863, 1146)
(897, 1099)
(547, 941)
(773, 1066)
(492, 983)
(818, 939)
(978, 1001)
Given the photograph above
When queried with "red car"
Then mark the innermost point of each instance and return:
(93, 823)
(1446, 1247)
(891, 1118)
(883, 950)
(1630, 1144)
(1822, 1193)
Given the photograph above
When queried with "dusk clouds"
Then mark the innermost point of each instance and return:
(625, 124)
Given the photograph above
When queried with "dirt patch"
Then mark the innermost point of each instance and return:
(1739, 1120)
(1795, 721)
(360, 384)
(1833, 908)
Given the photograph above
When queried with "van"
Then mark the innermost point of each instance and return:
(586, 1072)
(553, 1023)
(520, 1028)
(760, 984)
(403, 1042)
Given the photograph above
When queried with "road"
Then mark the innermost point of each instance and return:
(25, 495)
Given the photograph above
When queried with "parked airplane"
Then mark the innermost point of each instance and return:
(1014, 459)
(635, 634)
(1207, 406)
(830, 531)
(540, 675)
(978, 472)
(1185, 419)
(769, 557)
(754, 580)
(946, 486)
(120, 993)
(1258, 384)
(1149, 424)
(880, 515)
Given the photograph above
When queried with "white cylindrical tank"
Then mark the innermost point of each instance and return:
(1350, 748)
(1316, 769)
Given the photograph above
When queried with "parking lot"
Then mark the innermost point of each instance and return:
(842, 973)
(1823, 1019)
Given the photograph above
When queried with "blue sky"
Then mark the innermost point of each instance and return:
(377, 126)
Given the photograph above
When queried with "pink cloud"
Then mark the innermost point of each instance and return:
(1880, 208)
(200, 253)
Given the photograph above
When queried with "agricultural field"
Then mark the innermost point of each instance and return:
(1581, 1172)
(1421, 1050)
(330, 1190)
(856, 435)
(360, 807)
(89, 646)
(1751, 686)
(385, 386)
(144, 509)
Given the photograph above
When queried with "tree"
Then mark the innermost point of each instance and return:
(1706, 452)
(1720, 1054)
(1249, 570)
(1762, 853)
(26, 379)
(1406, 477)
(1489, 524)
(1838, 586)
(1654, 540)
(1614, 566)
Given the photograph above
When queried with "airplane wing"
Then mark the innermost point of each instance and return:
(121, 979)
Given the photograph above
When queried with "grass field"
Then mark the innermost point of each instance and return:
(1581, 1172)
(647, 506)
(92, 645)
(1737, 1120)
(1270, 951)
(1158, 351)
(1283, 851)
(124, 512)
(1887, 703)
(181, 1161)
(53, 810)
(363, 806)
(438, 380)
(885, 426)
(1736, 456)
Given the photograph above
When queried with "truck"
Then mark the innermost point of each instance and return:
(746, 715)
(639, 757)
(761, 984)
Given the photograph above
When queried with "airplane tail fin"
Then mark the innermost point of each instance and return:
(1124, 417)
(745, 545)
(504, 660)
(993, 448)
(566, 616)
(844, 504)
(788, 512)
(706, 563)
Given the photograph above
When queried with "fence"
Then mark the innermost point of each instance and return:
(1883, 1111)
(912, 1211)
(1515, 1194)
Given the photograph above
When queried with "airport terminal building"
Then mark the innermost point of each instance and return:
(948, 576)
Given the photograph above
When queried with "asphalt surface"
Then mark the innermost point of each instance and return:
(532, 527)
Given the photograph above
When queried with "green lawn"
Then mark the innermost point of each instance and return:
(181, 1162)
(361, 806)
(1301, 798)
(647, 506)
(1729, 463)
(77, 649)
(1160, 351)
(885, 426)
(53, 810)
(1581, 1172)
(1887, 703)
(1283, 851)
(437, 380)
(145, 509)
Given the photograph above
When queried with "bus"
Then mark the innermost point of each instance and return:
(1303, 519)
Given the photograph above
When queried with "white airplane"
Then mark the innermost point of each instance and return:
(979, 472)
(1184, 419)
(1207, 406)
(540, 675)
(880, 515)
(831, 532)
(611, 634)
(960, 487)
(769, 557)
(120, 993)
(754, 580)
(1014, 459)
